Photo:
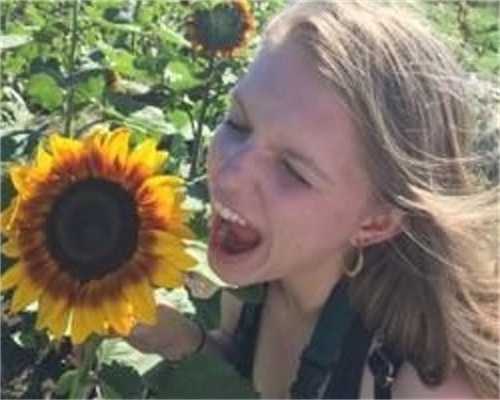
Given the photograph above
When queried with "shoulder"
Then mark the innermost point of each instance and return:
(408, 385)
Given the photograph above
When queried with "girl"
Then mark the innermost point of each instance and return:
(340, 178)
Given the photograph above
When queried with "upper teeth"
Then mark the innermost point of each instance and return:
(228, 214)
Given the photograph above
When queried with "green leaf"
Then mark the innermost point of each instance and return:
(151, 118)
(120, 382)
(173, 37)
(121, 61)
(178, 298)
(65, 382)
(108, 392)
(180, 76)
(12, 41)
(118, 350)
(44, 90)
(178, 118)
(199, 377)
(91, 88)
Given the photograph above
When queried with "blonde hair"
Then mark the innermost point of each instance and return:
(433, 289)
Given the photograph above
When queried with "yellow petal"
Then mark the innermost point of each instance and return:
(80, 327)
(179, 258)
(94, 311)
(168, 181)
(44, 161)
(139, 293)
(53, 313)
(63, 148)
(118, 145)
(146, 155)
(118, 311)
(158, 203)
(163, 240)
(11, 248)
(11, 277)
(177, 225)
(7, 216)
(27, 292)
(165, 276)
(19, 175)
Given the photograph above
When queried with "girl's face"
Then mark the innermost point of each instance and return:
(286, 161)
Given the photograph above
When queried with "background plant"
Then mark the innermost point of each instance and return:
(67, 65)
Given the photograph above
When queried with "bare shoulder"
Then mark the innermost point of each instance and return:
(230, 312)
(409, 386)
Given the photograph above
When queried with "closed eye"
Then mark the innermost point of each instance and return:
(292, 171)
(235, 127)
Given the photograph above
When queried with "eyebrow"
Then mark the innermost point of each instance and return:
(291, 153)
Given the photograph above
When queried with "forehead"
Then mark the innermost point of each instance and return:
(284, 96)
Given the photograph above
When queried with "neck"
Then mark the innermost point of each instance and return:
(305, 294)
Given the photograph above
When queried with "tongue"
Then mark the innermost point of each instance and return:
(238, 239)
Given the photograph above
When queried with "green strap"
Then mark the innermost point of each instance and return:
(324, 349)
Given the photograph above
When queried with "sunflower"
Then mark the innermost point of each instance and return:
(94, 229)
(223, 30)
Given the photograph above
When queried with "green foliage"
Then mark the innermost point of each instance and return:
(217, 380)
(44, 91)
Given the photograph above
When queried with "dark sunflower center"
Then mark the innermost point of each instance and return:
(221, 27)
(92, 228)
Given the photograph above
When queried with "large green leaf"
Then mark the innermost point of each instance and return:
(117, 350)
(178, 298)
(66, 381)
(199, 377)
(120, 382)
(180, 76)
(90, 89)
(44, 91)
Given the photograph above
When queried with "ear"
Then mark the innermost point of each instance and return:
(379, 228)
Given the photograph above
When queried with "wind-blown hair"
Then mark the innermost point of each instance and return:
(432, 290)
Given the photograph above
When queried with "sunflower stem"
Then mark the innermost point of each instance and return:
(82, 383)
(71, 70)
(198, 135)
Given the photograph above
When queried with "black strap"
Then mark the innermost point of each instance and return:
(384, 364)
(323, 352)
(334, 358)
(245, 337)
(345, 382)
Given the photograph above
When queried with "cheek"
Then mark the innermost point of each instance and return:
(315, 223)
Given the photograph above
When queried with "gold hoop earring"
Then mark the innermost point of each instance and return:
(351, 272)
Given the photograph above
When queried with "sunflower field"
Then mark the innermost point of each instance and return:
(106, 111)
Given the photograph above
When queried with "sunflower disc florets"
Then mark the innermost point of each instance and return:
(223, 30)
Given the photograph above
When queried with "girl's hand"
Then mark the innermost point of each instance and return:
(174, 336)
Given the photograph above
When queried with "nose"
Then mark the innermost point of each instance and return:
(238, 170)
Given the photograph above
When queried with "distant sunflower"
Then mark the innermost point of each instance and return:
(223, 30)
(94, 229)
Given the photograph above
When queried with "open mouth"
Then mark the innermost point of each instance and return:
(232, 235)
